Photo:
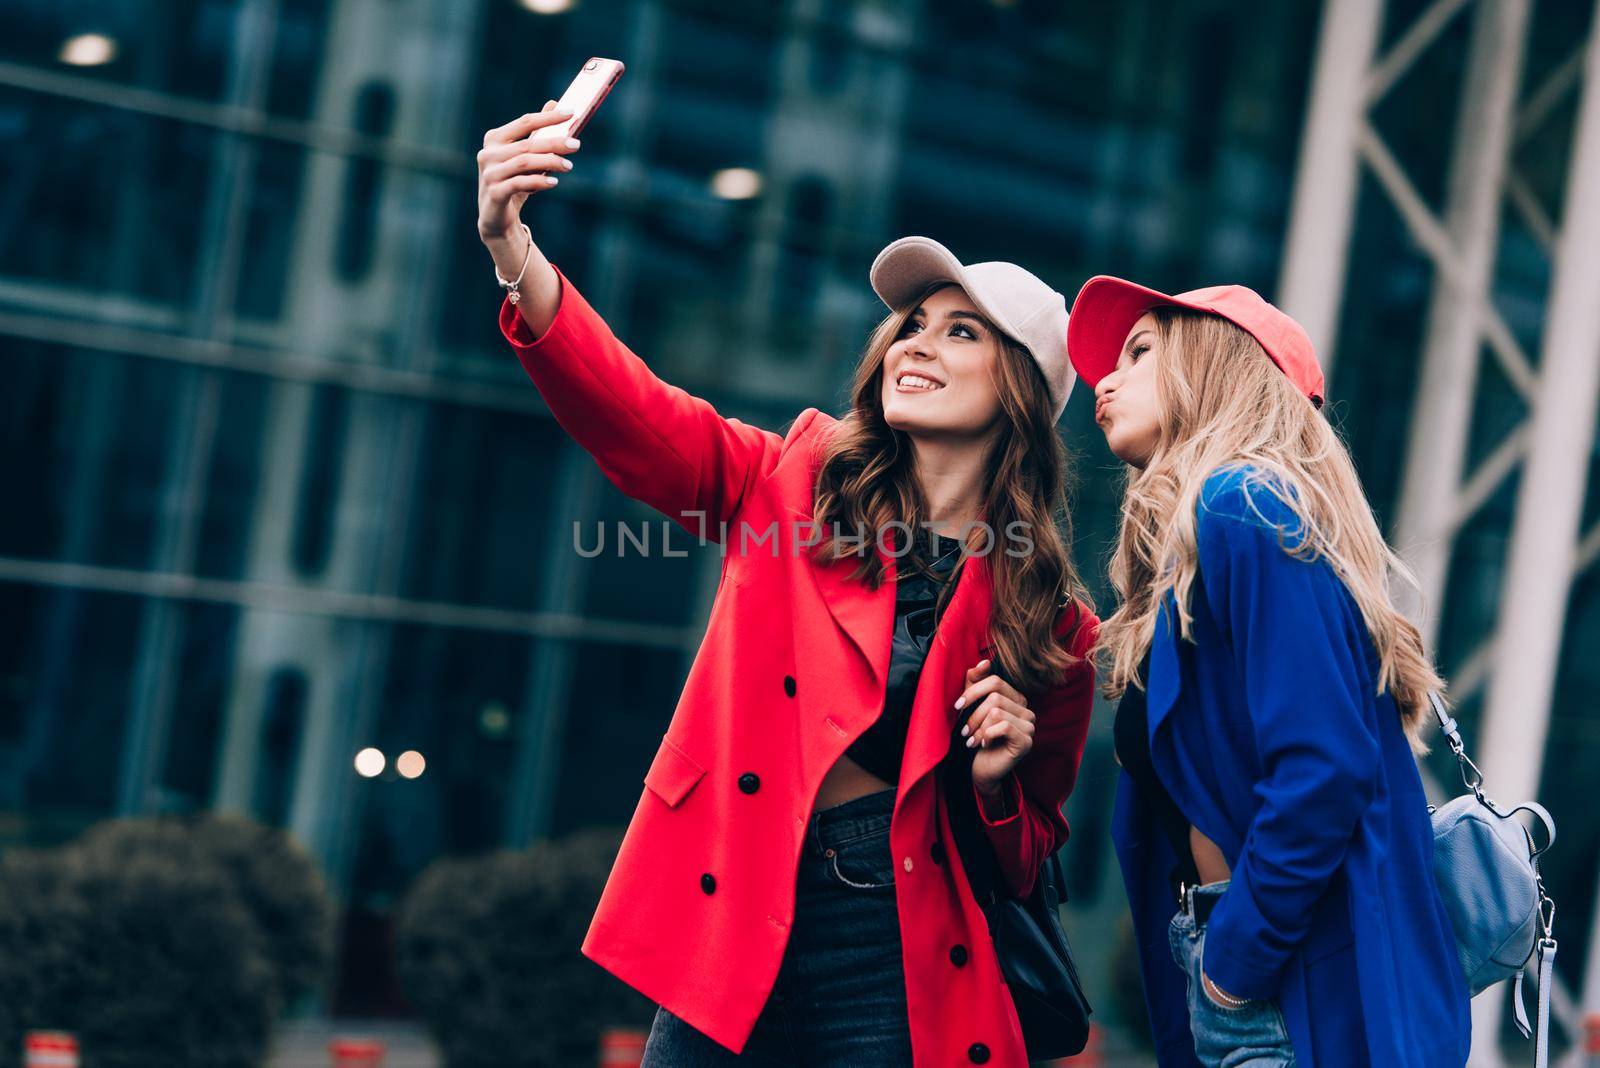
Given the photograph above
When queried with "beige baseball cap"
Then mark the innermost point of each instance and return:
(1017, 302)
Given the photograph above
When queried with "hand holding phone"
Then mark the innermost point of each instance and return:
(518, 158)
(516, 161)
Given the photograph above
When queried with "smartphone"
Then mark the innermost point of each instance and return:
(583, 96)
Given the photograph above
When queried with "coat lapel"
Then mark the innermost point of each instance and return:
(866, 616)
(960, 642)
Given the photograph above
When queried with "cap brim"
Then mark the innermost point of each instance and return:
(906, 268)
(1105, 310)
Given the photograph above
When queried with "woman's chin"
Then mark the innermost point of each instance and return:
(908, 416)
(1127, 453)
(918, 416)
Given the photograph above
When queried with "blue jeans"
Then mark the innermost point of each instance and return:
(840, 995)
(1251, 1036)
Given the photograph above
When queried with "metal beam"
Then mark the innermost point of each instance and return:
(1418, 36)
(1545, 529)
(325, 603)
(1546, 526)
(1441, 416)
(1311, 282)
(1429, 233)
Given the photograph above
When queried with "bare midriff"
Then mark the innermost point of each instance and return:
(846, 781)
(1208, 859)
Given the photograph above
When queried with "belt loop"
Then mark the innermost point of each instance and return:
(1188, 909)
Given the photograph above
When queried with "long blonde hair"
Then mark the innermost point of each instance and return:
(866, 481)
(1221, 401)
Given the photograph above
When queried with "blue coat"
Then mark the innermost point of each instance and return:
(1269, 735)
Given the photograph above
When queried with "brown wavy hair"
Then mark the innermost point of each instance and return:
(1220, 401)
(866, 481)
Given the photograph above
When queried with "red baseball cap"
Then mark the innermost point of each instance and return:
(1107, 308)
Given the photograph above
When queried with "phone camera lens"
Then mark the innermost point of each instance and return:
(591, 65)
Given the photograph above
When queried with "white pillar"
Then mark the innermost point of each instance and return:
(1442, 414)
(1545, 528)
(1545, 531)
(1311, 283)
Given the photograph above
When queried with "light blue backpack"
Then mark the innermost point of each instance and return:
(1486, 865)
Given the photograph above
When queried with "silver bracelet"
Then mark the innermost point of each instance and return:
(1226, 998)
(512, 288)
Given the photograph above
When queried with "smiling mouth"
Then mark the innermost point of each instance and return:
(911, 382)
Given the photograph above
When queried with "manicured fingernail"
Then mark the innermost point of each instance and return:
(965, 731)
(572, 142)
(961, 700)
(553, 179)
(971, 742)
(566, 164)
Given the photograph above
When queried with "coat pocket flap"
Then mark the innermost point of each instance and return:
(672, 773)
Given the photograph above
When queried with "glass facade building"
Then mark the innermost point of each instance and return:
(278, 491)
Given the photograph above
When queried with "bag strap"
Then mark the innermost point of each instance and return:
(1546, 945)
(1547, 976)
(1447, 724)
(1546, 949)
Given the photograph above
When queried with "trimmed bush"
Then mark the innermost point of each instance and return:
(43, 926)
(159, 941)
(489, 953)
(273, 876)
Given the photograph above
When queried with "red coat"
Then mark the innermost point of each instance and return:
(696, 912)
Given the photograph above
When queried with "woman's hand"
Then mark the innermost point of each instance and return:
(999, 725)
(519, 159)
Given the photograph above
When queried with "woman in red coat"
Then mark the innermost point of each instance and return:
(894, 583)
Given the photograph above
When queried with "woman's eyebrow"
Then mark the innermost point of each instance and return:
(1129, 343)
(974, 316)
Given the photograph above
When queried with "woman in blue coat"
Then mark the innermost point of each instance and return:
(1270, 821)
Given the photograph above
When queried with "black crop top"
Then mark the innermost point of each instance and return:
(1131, 738)
(880, 749)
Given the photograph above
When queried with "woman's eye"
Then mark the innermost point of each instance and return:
(966, 332)
(911, 327)
(1139, 350)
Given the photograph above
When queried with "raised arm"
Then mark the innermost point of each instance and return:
(654, 441)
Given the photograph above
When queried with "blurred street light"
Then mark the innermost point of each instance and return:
(494, 720)
(88, 50)
(736, 183)
(369, 763)
(410, 764)
(547, 7)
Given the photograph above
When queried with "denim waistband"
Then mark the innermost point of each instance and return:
(1198, 901)
(858, 818)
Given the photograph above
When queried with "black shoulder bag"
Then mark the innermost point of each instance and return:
(1027, 934)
